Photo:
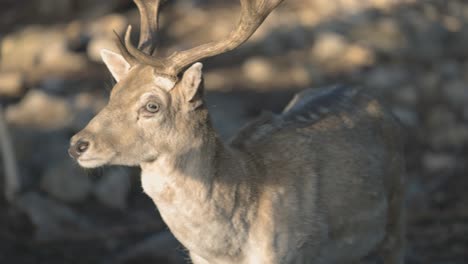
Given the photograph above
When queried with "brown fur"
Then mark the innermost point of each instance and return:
(321, 182)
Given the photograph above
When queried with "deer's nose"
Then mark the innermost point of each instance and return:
(78, 148)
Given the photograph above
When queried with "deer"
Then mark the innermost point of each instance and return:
(320, 182)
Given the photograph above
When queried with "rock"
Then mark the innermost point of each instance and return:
(426, 41)
(163, 245)
(52, 219)
(299, 75)
(11, 84)
(457, 46)
(406, 116)
(58, 86)
(456, 93)
(429, 86)
(297, 36)
(272, 45)
(36, 150)
(333, 52)
(36, 48)
(328, 46)
(406, 95)
(440, 116)
(383, 35)
(435, 162)
(106, 25)
(357, 56)
(449, 69)
(258, 70)
(66, 182)
(54, 8)
(113, 188)
(40, 110)
(101, 34)
(465, 113)
(97, 44)
(386, 77)
(455, 136)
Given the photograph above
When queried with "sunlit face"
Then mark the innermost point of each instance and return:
(147, 114)
(132, 128)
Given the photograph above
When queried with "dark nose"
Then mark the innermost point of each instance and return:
(78, 148)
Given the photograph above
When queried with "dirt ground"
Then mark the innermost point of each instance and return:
(412, 53)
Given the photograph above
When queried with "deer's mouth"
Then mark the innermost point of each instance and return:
(92, 162)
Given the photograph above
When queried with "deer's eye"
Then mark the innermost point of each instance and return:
(152, 107)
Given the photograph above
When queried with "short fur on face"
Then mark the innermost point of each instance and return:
(141, 119)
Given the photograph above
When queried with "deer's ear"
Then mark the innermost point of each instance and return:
(116, 64)
(192, 82)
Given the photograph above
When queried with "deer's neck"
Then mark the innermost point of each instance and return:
(202, 192)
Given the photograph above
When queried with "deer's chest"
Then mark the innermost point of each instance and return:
(195, 223)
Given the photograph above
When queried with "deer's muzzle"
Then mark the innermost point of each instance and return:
(77, 149)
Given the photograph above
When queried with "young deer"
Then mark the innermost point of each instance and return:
(319, 183)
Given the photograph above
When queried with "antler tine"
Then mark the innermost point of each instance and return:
(149, 16)
(140, 55)
(253, 13)
(123, 50)
(149, 10)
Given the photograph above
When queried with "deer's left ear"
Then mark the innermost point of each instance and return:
(116, 64)
(192, 82)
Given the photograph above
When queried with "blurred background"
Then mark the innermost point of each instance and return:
(412, 53)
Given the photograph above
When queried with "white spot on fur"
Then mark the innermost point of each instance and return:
(164, 82)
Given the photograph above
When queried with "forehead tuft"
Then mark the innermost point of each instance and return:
(164, 82)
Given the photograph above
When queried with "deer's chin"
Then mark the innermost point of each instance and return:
(92, 162)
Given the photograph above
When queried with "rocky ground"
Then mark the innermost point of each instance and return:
(412, 53)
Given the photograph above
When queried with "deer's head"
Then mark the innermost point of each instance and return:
(156, 106)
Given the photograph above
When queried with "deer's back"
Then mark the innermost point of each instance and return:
(325, 170)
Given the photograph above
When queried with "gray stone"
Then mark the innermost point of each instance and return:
(40, 110)
(406, 95)
(456, 93)
(53, 85)
(386, 77)
(429, 86)
(406, 116)
(465, 113)
(454, 136)
(66, 182)
(449, 69)
(113, 188)
(51, 219)
(440, 116)
(434, 162)
(163, 244)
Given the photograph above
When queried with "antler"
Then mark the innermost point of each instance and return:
(149, 20)
(253, 13)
